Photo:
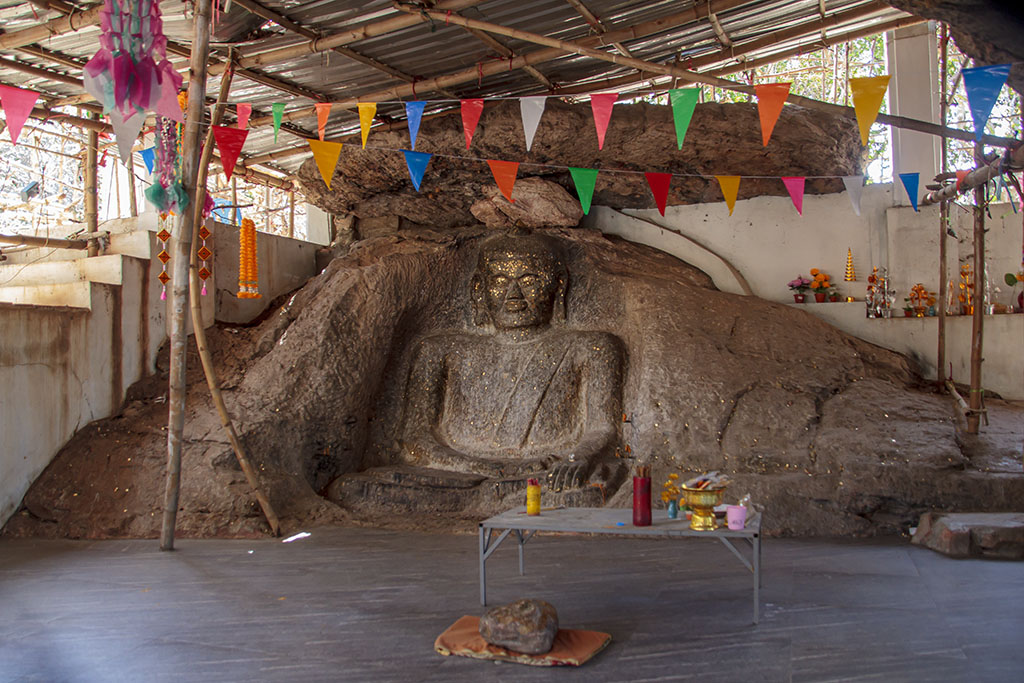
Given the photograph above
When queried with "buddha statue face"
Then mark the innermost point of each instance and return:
(520, 280)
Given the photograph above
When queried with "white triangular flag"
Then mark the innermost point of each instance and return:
(855, 188)
(532, 108)
(126, 132)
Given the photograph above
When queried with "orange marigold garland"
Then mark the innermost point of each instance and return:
(248, 273)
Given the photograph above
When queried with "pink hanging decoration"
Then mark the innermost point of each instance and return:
(601, 105)
(17, 105)
(130, 72)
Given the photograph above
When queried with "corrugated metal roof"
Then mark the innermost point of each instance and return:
(431, 49)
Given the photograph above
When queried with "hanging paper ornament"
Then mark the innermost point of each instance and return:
(248, 266)
(17, 105)
(684, 102)
(326, 156)
(130, 73)
(585, 179)
(164, 236)
(910, 184)
(471, 110)
(367, 110)
(983, 84)
(204, 255)
(868, 94)
(770, 99)
(504, 173)
(167, 193)
(413, 116)
(730, 185)
(417, 164)
(277, 110)
(850, 275)
(795, 187)
(323, 112)
(854, 185)
(243, 112)
(659, 184)
(601, 105)
(230, 142)
(531, 109)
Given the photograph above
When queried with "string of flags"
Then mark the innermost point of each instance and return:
(125, 97)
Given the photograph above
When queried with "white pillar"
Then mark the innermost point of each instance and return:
(912, 53)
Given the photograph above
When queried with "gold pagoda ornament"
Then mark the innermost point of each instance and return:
(850, 275)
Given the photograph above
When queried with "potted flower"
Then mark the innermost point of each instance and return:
(833, 294)
(908, 308)
(820, 284)
(1014, 279)
(799, 285)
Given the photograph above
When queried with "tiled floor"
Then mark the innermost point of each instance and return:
(366, 605)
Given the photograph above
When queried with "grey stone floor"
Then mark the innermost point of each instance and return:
(366, 605)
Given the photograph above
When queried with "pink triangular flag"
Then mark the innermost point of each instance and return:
(601, 105)
(323, 112)
(243, 112)
(471, 110)
(659, 183)
(17, 105)
(168, 106)
(795, 186)
(229, 142)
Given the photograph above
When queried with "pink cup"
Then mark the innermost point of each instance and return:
(736, 516)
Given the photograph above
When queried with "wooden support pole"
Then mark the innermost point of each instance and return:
(291, 214)
(182, 255)
(133, 202)
(940, 370)
(33, 241)
(978, 319)
(52, 29)
(92, 143)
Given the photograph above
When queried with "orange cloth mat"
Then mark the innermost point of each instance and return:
(572, 647)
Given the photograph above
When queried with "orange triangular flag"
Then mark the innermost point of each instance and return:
(326, 156)
(367, 110)
(730, 185)
(770, 98)
(323, 111)
(504, 173)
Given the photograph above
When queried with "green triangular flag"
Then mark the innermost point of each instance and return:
(278, 114)
(684, 101)
(584, 179)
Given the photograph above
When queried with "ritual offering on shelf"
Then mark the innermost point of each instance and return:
(670, 495)
(702, 494)
(532, 497)
(642, 496)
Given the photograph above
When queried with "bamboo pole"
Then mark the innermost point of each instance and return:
(33, 241)
(133, 202)
(940, 373)
(978, 321)
(291, 214)
(209, 371)
(182, 252)
(51, 29)
(92, 143)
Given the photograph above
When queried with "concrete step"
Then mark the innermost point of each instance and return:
(59, 295)
(107, 269)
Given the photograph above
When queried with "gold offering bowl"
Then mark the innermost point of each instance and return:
(703, 502)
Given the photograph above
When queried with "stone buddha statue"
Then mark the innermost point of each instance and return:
(524, 395)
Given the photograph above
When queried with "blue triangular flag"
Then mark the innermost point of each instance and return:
(148, 157)
(417, 163)
(910, 183)
(413, 114)
(983, 84)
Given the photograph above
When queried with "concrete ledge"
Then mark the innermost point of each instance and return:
(63, 295)
(107, 269)
(998, 535)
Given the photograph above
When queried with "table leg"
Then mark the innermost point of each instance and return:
(483, 566)
(522, 542)
(757, 576)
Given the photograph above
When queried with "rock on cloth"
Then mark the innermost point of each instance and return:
(524, 626)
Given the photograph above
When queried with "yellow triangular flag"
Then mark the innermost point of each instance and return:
(326, 155)
(867, 98)
(367, 110)
(730, 185)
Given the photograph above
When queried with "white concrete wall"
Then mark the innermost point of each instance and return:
(769, 243)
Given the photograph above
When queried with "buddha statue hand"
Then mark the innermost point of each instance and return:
(570, 473)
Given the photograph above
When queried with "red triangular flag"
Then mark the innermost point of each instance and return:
(795, 187)
(471, 110)
(323, 112)
(960, 175)
(505, 175)
(770, 98)
(229, 142)
(17, 105)
(601, 105)
(659, 183)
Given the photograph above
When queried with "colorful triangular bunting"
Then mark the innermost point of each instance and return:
(277, 109)
(471, 110)
(17, 105)
(659, 184)
(795, 187)
(504, 173)
(601, 105)
(983, 84)
(326, 156)
(413, 116)
(730, 185)
(854, 188)
(770, 99)
(584, 179)
(229, 142)
(683, 101)
(126, 132)
(531, 109)
(323, 113)
(910, 184)
(243, 111)
(417, 163)
(367, 110)
(168, 105)
(148, 157)
(868, 94)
